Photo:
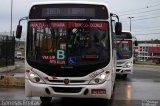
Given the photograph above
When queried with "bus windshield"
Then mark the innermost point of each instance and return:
(68, 43)
(124, 49)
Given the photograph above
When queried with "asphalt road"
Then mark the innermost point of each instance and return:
(140, 89)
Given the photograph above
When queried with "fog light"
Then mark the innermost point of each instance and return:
(32, 75)
(103, 76)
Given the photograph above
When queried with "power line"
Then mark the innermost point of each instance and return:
(138, 9)
(150, 27)
(143, 18)
(146, 18)
(146, 29)
(146, 33)
(140, 16)
(134, 10)
(140, 12)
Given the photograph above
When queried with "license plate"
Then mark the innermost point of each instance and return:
(98, 91)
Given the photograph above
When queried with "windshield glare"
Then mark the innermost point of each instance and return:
(68, 43)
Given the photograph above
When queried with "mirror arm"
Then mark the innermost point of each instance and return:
(135, 39)
(24, 18)
(114, 15)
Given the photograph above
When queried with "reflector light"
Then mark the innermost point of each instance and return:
(27, 70)
(46, 78)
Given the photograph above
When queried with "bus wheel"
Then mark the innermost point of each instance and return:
(46, 99)
(124, 76)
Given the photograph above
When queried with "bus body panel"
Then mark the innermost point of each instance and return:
(35, 90)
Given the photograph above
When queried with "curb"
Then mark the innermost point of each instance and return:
(10, 81)
(141, 65)
(7, 68)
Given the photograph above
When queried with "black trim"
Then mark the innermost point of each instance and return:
(76, 71)
(67, 90)
(101, 11)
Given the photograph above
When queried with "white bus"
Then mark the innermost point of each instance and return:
(125, 43)
(69, 50)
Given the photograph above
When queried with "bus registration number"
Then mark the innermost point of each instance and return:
(98, 91)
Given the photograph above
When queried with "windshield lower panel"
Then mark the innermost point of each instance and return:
(54, 47)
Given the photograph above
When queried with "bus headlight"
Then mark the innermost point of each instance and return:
(34, 77)
(101, 78)
(127, 65)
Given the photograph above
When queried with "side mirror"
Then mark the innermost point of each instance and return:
(118, 28)
(136, 43)
(19, 31)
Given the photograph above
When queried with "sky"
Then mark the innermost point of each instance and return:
(145, 25)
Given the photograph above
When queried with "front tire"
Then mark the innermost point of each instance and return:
(46, 99)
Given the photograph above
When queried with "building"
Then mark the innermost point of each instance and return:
(146, 51)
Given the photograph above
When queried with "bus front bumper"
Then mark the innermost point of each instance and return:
(121, 70)
(80, 91)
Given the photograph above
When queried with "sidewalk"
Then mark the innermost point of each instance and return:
(9, 80)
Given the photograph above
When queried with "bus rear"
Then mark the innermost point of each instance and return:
(69, 51)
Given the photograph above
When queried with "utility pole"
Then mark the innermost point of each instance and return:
(130, 22)
(11, 17)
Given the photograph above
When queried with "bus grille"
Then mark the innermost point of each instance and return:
(67, 90)
(71, 81)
